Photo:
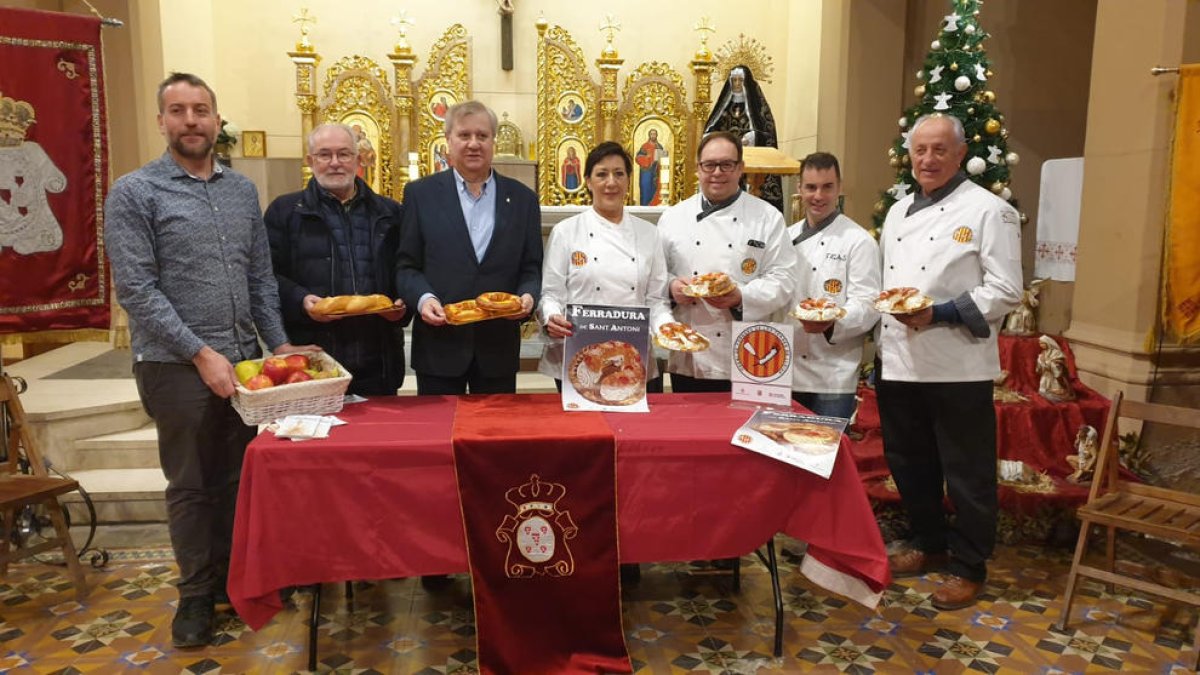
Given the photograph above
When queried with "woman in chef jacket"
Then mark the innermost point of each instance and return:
(602, 256)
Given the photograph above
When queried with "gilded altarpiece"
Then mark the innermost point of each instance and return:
(567, 113)
(654, 120)
(356, 94)
(446, 81)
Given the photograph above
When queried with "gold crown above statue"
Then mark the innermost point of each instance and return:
(15, 119)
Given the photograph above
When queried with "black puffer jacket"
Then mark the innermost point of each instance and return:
(310, 256)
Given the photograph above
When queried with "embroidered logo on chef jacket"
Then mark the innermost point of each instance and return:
(833, 286)
(749, 265)
(578, 258)
(963, 235)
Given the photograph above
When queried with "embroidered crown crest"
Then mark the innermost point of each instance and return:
(535, 495)
(15, 118)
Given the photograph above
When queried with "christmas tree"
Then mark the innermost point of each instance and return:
(954, 81)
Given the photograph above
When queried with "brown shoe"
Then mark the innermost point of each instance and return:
(911, 562)
(956, 593)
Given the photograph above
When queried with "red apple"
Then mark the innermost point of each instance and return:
(297, 376)
(258, 382)
(276, 368)
(297, 361)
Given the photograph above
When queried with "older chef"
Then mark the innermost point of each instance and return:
(602, 256)
(838, 261)
(723, 229)
(959, 244)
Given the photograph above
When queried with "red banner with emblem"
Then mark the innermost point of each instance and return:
(53, 173)
(539, 505)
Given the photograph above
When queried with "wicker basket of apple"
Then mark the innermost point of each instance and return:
(292, 384)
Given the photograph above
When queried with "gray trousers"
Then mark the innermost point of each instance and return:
(201, 441)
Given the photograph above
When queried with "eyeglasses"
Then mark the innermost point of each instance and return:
(345, 157)
(725, 165)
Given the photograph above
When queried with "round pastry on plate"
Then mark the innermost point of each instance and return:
(464, 312)
(710, 285)
(817, 309)
(498, 302)
(902, 300)
(680, 337)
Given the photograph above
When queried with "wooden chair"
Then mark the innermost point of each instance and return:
(18, 490)
(1116, 504)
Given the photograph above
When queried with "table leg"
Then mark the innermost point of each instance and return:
(773, 567)
(312, 628)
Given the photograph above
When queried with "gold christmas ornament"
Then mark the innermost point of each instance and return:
(904, 160)
(1004, 133)
(894, 162)
(991, 126)
(891, 152)
(919, 90)
(976, 138)
(879, 207)
(988, 73)
(971, 110)
(997, 187)
(989, 96)
(954, 66)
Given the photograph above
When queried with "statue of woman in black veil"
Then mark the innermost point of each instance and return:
(742, 109)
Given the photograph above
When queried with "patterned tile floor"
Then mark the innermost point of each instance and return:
(677, 620)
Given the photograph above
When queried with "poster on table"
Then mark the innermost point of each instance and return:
(605, 360)
(761, 373)
(809, 442)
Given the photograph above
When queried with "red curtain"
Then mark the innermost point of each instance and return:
(53, 173)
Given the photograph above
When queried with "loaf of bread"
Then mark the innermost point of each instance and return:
(352, 304)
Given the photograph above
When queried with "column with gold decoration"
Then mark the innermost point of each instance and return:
(703, 63)
(609, 64)
(403, 60)
(306, 59)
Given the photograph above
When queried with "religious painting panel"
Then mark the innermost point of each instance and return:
(654, 119)
(356, 94)
(570, 107)
(366, 138)
(567, 119)
(439, 156)
(445, 83)
(652, 141)
(443, 99)
(569, 160)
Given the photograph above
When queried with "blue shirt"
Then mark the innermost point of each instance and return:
(479, 212)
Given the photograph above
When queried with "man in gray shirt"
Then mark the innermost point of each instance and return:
(193, 270)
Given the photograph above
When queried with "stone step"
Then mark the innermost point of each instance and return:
(136, 449)
(120, 495)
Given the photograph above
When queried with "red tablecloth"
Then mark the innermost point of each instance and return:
(378, 500)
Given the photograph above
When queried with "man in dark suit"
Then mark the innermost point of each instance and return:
(464, 232)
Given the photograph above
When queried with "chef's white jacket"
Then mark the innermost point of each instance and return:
(966, 248)
(748, 241)
(840, 262)
(592, 261)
